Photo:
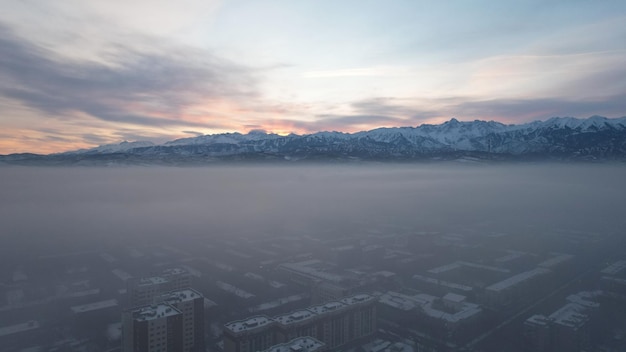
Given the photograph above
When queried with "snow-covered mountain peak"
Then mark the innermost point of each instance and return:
(553, 135)
(118, 148)
(592, 123)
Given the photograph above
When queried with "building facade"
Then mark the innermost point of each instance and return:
(191, 304)
(153, 328)
(174, 323)
(334, 323)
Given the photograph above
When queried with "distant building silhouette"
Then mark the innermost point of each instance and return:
(566, 329)
(334, 323)
(143, 291)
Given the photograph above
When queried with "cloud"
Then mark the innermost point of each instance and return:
(358, 119)
(405, 108)
(389, 112)
(510, 110)
(378, 112)
(97, 22)
(95, 138)
(140, 87)
(329, 122)
(519, 110)
(353, 72)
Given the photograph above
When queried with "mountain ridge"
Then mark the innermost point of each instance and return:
(564, 138)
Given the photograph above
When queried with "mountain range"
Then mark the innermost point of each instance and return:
(559, 138)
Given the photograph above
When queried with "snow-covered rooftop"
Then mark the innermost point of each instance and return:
(94, 306)
(537, 320)
(299, 344)
(13, 329)
(511, 256)
(181, 296)
(398, 301)
(585, 298)
(356, 299)
(467, 310)
(399, 347)
(295, 317)
(424, 303)
(459, 264)
(442, 283)
(453, 297)
(155, 311)
(558, 259)
(517, 279)
(571, 315)
(249, 324)
(326, 307)
(614, 268)
(309, 268)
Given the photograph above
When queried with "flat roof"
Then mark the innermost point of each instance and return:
(424, 303)
(537, 320)
(560, 258)
(516, 279)
(614, 268)
(442, 283)
(175, 271)
(511, 256)
(378, 345)
(298, 315)
(571, 315)
(306, 268)
(13, 329)
(277, 302)
(356, 299)
(121, 274)
(444, 268)
(467, 310)
(234, 290)
(181, 296)
(249, 324)
(94, 306)
(485, 267)
(384, 273)
(398, 301)
(326, 307)
(614, 279)
(459, 264)
(299, 344)
(584, 298)
(453, 297)
(372, 247)
(153, 312)
(295, 317)
(152, 280)
(400, 347)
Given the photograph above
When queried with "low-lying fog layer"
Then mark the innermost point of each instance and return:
(69, 205)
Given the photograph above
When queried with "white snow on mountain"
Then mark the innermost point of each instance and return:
(452, 134)
(116, 148)
(226, 138)
(594, 122)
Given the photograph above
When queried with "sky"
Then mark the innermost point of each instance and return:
(78, 74)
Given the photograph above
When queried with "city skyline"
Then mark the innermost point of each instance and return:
(77, 75)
